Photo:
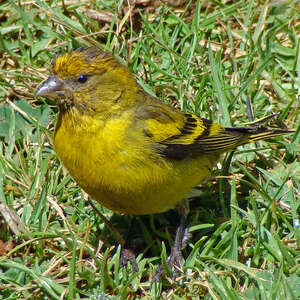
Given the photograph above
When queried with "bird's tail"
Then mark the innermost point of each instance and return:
(252, 134)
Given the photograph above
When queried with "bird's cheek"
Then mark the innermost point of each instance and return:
(82, 100)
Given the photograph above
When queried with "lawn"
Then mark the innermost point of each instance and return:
(216, 59)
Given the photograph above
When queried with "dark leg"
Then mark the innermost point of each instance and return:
(181, 238)
(126, 254)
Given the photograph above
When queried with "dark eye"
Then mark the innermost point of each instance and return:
(82, 78)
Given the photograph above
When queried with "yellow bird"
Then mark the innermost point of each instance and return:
(129, 151)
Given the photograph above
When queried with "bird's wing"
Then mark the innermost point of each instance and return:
(182, 135)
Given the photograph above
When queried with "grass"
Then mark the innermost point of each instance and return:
(207, 58)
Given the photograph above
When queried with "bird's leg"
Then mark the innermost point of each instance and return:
(127, 255)
(111, 227)
(175, 256)
(181, 238)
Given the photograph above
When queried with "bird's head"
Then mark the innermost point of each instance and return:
(89, 80)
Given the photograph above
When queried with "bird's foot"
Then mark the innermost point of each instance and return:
(174, 259)
(127, 256)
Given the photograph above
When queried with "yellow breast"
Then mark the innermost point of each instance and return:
(115, 164)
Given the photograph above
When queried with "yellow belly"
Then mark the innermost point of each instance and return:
(124, 175)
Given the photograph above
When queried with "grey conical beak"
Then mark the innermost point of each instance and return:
(52, 88)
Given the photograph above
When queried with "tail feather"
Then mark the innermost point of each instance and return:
(222, 140)
(252, 134)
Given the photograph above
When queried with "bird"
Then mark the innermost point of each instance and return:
(128, 150)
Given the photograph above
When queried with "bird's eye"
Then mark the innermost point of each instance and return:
(82, 78)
